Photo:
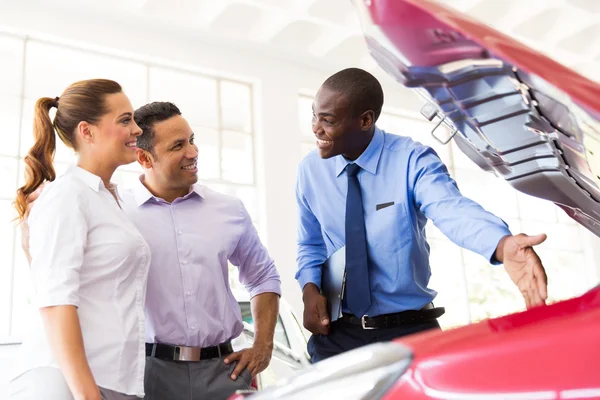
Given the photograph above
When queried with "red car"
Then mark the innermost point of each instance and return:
(530, 120)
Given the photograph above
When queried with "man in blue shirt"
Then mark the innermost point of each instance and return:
(373, 192)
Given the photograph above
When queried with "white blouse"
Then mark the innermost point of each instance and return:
(87, 253)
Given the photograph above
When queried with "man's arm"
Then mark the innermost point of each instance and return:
(468, 225)
(310, 258)
(260, 277)
(265, 310)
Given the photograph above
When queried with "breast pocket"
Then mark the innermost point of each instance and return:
(389, 228)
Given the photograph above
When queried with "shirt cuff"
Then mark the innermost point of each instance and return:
(52, 300)
(493, 238)
(309, 275)
(270, 286)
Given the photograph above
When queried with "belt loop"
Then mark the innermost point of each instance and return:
(219, 350)
(153, 352)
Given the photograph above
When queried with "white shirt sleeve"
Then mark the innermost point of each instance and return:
(58, 235)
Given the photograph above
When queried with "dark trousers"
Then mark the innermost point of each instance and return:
(344, 336)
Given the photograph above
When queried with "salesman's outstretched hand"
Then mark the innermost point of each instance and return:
(524, 266)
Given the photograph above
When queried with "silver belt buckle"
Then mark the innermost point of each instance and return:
(363, 322)
(184, 353)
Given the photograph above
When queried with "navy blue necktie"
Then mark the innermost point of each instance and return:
(357, 293)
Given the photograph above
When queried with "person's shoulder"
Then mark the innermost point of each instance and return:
(215, 197)
(65, 194)
(220, 203)
(67, 187)
(398, 143)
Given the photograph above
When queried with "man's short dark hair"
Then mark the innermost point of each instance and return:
(362, 90)
(147, 116)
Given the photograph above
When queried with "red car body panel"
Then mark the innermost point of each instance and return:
(549, 352)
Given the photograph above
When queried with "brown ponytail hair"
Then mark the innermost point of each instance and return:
(82, 101)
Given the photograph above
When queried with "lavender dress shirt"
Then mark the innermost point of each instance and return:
(189, 301)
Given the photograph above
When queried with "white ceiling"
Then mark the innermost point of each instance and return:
(329, 32)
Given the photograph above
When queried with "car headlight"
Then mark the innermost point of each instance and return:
(365, 373)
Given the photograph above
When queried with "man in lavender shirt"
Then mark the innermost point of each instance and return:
(192, 231)
(191, 313)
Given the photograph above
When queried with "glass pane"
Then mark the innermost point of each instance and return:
(8, 177)
(237, 161)
(22, 294)
(533, 208)
(236, 106)
(207, 141)
(63, 153)
(447, 279)
(45, 78)
(7, 232)
(560, 236)
(567, 272)
(10, 113)
(249, 197)
(11, 68)
(305, 118)
(196, 96)
(460, 160)
(491, 291)
(306, 148)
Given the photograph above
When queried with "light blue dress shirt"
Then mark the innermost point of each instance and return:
(399, 170)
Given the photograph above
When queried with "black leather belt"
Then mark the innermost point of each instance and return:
(184, 353)
(427, 313)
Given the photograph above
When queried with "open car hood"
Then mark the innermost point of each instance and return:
(510, 109)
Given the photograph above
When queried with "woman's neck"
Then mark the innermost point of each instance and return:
(104, 171)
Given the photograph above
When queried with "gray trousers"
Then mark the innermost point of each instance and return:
(201, 380)
(49, 384)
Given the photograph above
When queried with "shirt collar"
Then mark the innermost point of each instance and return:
(368, 160)
(91, 180)
(142, 194)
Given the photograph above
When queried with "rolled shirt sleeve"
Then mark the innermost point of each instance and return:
(58, 235)
(257, 270)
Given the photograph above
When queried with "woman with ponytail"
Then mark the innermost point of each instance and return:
(89, 263)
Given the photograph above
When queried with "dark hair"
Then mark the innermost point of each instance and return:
(148, 115)
(81, 101)
(362, 90)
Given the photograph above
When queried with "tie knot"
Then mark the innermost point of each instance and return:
(352, 169)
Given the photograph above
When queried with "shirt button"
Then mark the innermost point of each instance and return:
(180, 233)
(193, 327)
(184, 262)
(188, 293)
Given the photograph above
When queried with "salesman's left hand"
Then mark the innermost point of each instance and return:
(525, 267)
(256, 359)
